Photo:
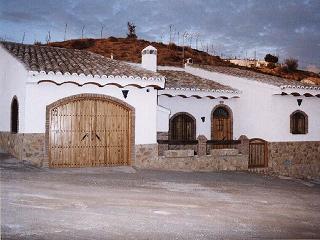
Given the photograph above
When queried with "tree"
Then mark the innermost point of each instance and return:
(291, 64)
(271, 58)
(131, 30)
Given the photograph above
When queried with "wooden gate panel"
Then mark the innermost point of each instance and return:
(258, 153)
(90, 132)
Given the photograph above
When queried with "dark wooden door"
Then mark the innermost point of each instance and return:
(221, 126)
(258, 153)
(89, 132)
(182, 127)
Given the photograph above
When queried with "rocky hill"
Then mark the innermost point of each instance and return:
(170, 55)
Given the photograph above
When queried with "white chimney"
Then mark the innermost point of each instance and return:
(149, 58)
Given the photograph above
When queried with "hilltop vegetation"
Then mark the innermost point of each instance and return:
(129, 49)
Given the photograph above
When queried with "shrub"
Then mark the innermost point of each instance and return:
(131, 30)
(271, 58)
(291, 64)
(83, 43)
(113, 39)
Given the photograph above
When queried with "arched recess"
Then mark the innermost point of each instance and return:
(182, 126)
(298, 122)
(14, 120)
(90, 130)
(221, 123)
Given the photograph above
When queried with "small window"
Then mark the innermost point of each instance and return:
(299, 123)
(182, 127)
(14, 115)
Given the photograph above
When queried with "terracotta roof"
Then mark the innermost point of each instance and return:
(260, 77)
(181, 79)
(46, 58)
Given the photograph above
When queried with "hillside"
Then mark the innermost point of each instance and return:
(130, 50)
(170, 55)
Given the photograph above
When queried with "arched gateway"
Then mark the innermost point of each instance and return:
(89, 130)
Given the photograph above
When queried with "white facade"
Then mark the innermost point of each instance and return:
(258, 110)
(37, 90)
(260, 113)
(199, 108)
(249, 62)
(13, 76)
(163, 115)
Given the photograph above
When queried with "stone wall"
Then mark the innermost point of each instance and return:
(24, 146)
(295, 159)
(181, 160)
(146, 154)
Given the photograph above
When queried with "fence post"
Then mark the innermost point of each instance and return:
(202, 145)
(162, 147)
(243, 147)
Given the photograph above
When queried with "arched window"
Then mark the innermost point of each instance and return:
(182, 127)
(298, 123)
(14, 115)
(221, 124)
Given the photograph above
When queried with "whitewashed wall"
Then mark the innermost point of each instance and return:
(259, 113)
(163, 115)
(13, 76)
(202, 108)
(41, 95)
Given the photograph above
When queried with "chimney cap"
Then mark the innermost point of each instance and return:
(149, 50)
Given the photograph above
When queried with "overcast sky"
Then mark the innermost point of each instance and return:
(242, 28)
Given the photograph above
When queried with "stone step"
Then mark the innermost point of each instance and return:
(45, 164)
(263, 170)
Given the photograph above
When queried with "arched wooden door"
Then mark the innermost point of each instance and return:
(221, 125)
(89, 132)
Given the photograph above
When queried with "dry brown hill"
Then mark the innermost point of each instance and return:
(126, 49)
(130, 50)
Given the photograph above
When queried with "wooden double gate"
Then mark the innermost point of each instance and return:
(89, 132)
(258, 153)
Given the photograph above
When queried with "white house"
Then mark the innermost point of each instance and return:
(74, 103)
(70, 108)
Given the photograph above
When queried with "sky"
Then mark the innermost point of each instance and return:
(229, 28)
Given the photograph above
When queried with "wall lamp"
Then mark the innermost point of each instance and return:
(125, 93)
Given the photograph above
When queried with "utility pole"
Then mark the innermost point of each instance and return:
(65, 32)
(48, 37)
(197, 35)
(191, 36)
(24, 35)
(82, 31)
(101, 31)
(184, 36)
(178, 38)
(170, 27)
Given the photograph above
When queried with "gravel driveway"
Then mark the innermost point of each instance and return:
(124, 203)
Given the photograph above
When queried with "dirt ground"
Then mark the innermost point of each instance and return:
(124, 203)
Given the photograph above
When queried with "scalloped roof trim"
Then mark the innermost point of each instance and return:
(197, 96)
(205, 90)
(300, 87)
(99, 85)
(58, 73)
